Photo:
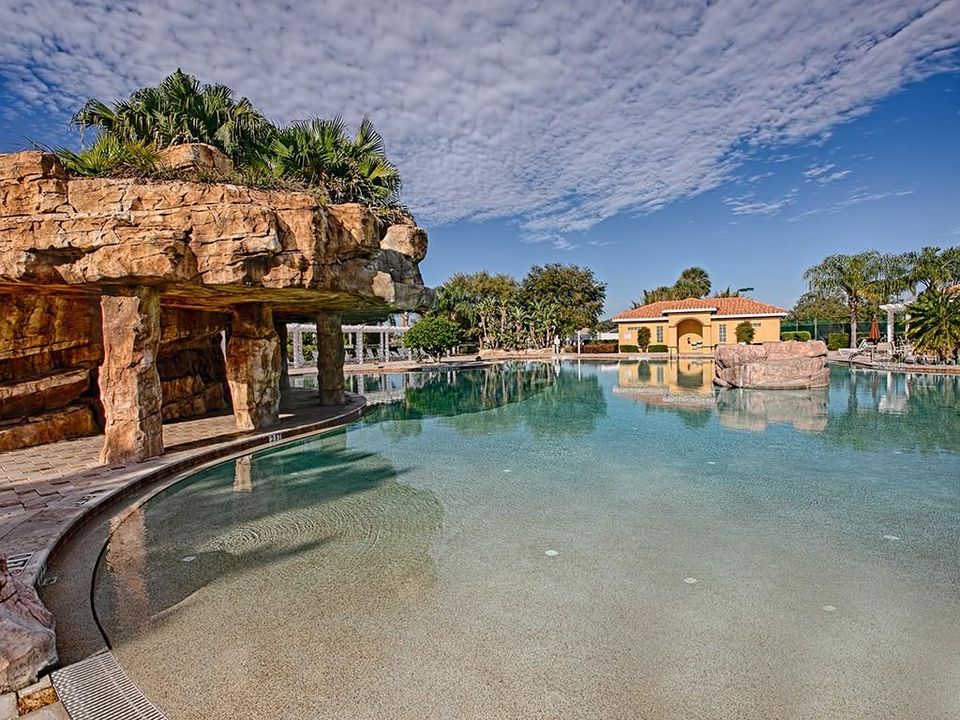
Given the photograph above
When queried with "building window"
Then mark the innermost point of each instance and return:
(627, 335)
(755, 324)
(722, 333)
(660, 334)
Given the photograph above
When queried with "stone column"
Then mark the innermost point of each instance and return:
(129, 381)
(330, 359)
(359, 346)
(253, 367)
(281, 330)
(297, 346)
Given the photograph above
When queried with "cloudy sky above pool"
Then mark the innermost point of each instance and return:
(746, 136)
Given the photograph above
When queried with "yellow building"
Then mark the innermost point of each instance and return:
(695, 326)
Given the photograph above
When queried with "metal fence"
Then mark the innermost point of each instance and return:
(820, 330)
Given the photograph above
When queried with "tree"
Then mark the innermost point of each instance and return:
(935, 322)
(744, 332)
(932, 267)
(855, 276)
(643, 338)
(693, 282)
(819, 305)
(573, 291)
(433, 335)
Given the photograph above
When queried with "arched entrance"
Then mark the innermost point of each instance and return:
(689, 336)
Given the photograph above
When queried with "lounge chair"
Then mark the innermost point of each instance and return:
(850, 353)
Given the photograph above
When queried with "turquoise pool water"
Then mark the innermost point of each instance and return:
(563, 541)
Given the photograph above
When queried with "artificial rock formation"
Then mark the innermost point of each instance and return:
(330, 359)
(197, 255)
(773, 365)
(129, 381)
(253, 366)
(27, 640)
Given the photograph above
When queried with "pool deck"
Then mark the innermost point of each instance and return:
(46, 491)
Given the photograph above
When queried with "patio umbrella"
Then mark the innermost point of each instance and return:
(874, 335)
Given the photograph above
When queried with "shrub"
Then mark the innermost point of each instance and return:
(798, 335)
(433, 334)
(744, 332)
(600, 347)
(643, 338)
(835, 341)
(629, 348)
(657, 348)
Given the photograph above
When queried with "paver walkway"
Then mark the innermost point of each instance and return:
(44, 490)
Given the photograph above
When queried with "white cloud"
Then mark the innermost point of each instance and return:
(817, 170)
(561, 114)
(858, 196)
(746, 205)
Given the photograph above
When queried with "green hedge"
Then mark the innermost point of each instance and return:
(835, 341)
(629, 348)
(657, 348)
(799, 335)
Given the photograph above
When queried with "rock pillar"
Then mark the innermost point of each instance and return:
(281, 330)
(330, 359)
(129, 381)
(253, 367)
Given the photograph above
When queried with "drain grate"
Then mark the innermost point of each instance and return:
(16, 563)
(98, 689)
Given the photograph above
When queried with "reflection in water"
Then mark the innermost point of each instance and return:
(495, 399)
(399, 569)
(756, 409)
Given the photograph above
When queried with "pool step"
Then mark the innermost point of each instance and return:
(98, 689)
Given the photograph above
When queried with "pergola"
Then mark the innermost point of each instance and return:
(892, 310)
(388, 335)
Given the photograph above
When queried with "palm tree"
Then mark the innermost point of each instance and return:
(855, 276)
(318, 152)
(693, 282)
(932, 267)
(181, 110)
(935, 322)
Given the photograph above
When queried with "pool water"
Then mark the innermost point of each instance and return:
(570, 540)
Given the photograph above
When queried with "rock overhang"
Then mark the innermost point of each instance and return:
(202, 245)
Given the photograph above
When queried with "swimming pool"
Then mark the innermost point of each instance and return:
(589, 540)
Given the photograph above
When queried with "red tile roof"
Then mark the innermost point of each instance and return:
(737, 306)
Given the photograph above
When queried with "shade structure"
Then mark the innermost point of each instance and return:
(874, 335)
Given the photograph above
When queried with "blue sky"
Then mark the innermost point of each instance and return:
(748, 137)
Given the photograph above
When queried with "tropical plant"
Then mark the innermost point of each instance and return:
(643, 338)
(110, 155)
(181, 110)
(854, 276)
(744, 332)
(433, 335)
(935, 323)
(319, 153)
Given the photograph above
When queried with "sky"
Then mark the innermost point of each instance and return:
(636, 138)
